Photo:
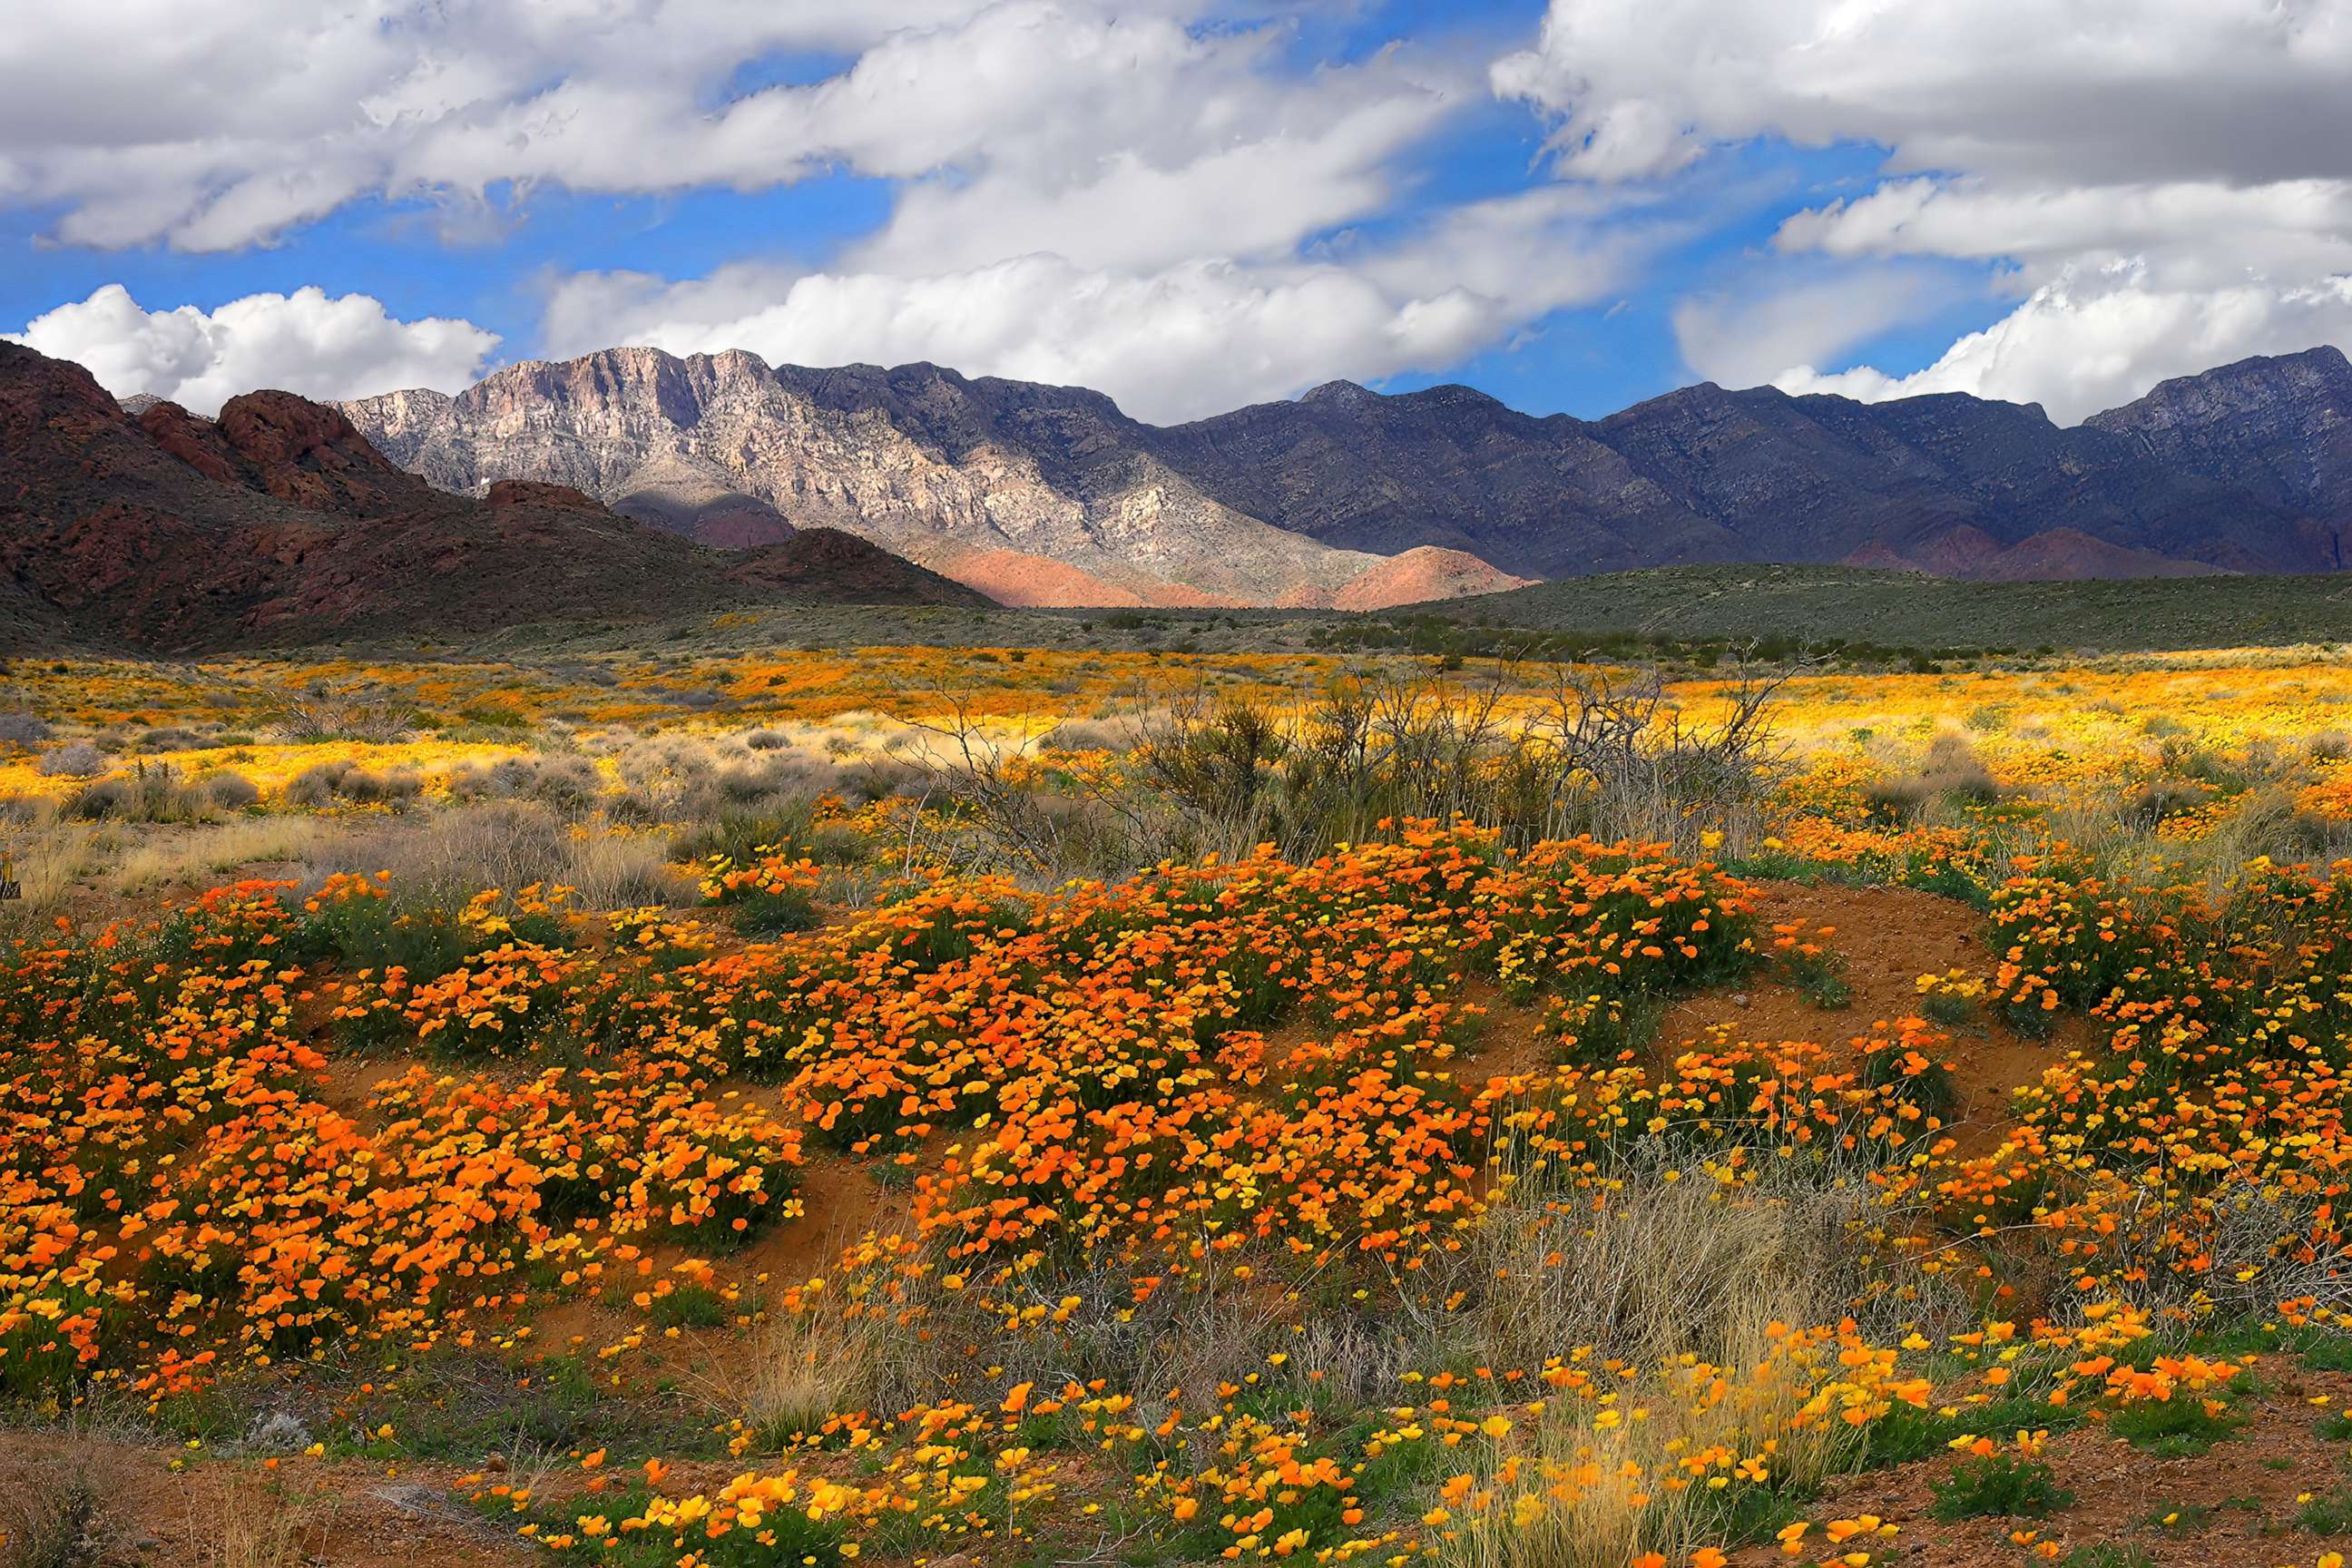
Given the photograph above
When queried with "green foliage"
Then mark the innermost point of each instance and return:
(2330, 1513)
(2107, 1557)
(691, 1307)
(2002, 1486)
(2178, 1427)
(1819, 978)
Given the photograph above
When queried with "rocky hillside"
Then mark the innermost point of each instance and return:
(2248, 467)
(1050, 495)
(279, 522)
(1033, 494)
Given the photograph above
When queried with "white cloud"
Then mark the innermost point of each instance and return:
(1170, 342)
(2082, 345)
(2166, 183)
(304, 342)
(2238, 91)
(1748, 337)
(212, 128)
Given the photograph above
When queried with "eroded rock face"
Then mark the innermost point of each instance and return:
(948, 472)
(1051, 495)
(279, 521)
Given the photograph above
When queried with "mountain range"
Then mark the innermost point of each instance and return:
(633, 485)
(1346, 496)
(144, 525)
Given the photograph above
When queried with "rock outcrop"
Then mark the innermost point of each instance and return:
(279, 521)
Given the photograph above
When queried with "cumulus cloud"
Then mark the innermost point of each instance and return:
(212, 128)
(2236, 91)
(1750, 336)
(1170, 342)
(2080, 346)
(2163, 183)
(304, 342)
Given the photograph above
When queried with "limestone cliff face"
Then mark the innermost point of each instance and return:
(950, 472)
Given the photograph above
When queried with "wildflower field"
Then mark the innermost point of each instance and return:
(1040, 1106)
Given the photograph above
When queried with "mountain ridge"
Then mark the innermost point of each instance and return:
(1051, 495)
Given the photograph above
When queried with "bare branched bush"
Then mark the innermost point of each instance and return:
(1573, 753)
(339, 714)
(1639, 767)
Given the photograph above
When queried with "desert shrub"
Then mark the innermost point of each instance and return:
(322, 715)
(569, 784)
(74, 759)
(741, 833)
(2164, 799)
(148, 795)
(22, 729)
(1611, 757)
(322, 784)
(229, 791)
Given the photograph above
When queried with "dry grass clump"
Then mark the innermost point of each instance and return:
(445, 856)
(256, 1523)
(62, 1493)
(814, 1363)
(1950, 775)
(216, 851)
(1669, 1266)
(1670, 1260)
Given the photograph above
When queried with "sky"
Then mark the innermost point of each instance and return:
(1191, 204)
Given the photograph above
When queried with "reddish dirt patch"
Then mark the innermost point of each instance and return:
(2120, 1490)
(1888, 937)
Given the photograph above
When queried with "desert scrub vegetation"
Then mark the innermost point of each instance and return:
(1308, 1107)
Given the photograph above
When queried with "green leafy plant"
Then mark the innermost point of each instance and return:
(2002, 1486)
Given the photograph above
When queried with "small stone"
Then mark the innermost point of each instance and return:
(1739, 998)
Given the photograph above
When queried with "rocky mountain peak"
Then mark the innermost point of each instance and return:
(1337, 395)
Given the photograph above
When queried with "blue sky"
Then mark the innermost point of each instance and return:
(1570, 206)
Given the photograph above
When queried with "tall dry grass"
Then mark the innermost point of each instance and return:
(1694, 1286)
